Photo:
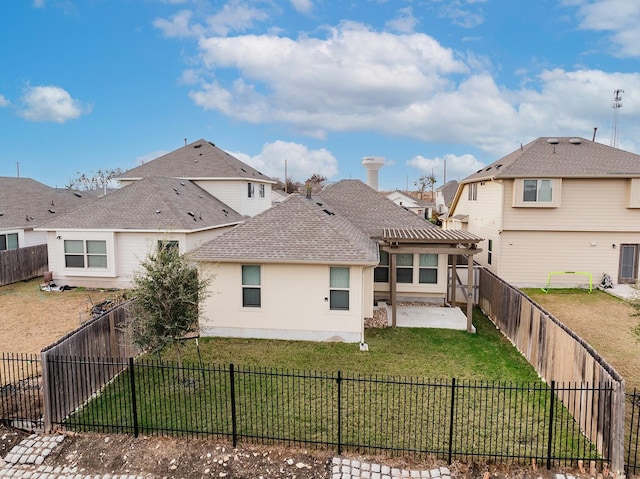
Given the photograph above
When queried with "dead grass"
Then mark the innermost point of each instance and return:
(32, 319)
(602, 320)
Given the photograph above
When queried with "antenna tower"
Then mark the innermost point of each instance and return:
(616, 104)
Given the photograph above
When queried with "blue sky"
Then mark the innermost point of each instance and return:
(96, 84)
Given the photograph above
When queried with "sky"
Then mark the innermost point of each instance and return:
(438, 87)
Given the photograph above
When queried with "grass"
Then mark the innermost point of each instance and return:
(415, 352)
(501, 406)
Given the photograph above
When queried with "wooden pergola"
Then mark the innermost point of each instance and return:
(431, 241)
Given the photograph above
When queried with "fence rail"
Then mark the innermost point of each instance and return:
(362, 414)
(23, 263)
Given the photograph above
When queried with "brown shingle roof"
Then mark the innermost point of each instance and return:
(300, 230)
(562, 157)
(368, 210)
(26, 203)
(151, 204)
(198, 160)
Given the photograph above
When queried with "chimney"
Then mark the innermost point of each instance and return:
(372, 164)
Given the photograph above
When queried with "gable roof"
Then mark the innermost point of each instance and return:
(197, 161)
(26, 203)
(368, 210)
(562, 157)
(297, 230)
(448, 191)
(151, 204)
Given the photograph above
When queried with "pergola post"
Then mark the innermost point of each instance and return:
(454, 275)
(392, 286)
(470, 293)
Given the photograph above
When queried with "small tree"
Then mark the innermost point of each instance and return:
(97, 180)
(167, 294)
(315, 182)
(424, 182)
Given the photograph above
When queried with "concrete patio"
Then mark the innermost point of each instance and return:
(427, 317)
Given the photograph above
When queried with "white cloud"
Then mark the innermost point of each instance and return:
(4, 102)
(457, 167)
(38, 3)
(51, 103)
(301, 162)
(461, 14)
(404, 22)
(619, 17)
(234, 16)
(302, 6)
(142, 159)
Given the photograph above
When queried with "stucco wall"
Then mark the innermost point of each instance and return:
(294, 305)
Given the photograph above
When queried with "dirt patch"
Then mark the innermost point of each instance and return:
(32, 319)
(603, 321)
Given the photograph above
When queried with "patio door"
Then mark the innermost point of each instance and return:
(628, 263)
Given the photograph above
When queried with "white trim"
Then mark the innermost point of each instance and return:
(109, 272)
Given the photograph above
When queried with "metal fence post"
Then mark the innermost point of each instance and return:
(234, 431)
(551, 408)
(451, 415)
(46, 394)
(134, 406)
(339, 380)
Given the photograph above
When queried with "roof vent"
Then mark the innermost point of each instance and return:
(191, 213)
(182, 183)
(552, 141)
(575, 141)
(77, 194)
(51, 210)
(330, 213)
(197, 146)
(158, 212)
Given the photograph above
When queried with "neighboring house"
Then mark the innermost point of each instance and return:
(555, 205)
(444, 196)
(25, 204)
(278, 196)
(233, 182)
(311, 267)
(102, 243)
(422, 208)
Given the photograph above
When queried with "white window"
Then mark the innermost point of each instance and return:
(537, 193)
(8, 241)
(472, 191)
(85, 254)
(490, 252)
(381, 272)
(404, 268)
(339, 289)
(250, 190)
(428, 269)
(261, 190)
(537, 190)
(251, 297)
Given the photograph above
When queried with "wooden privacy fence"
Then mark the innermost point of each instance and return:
(558, 354)
(23, 263)
(102, 337)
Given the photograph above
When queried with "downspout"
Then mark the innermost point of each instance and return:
(364, 346)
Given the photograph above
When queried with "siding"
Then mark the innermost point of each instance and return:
(294, 304)
(234, 194)
(586, 205)
(527, 257)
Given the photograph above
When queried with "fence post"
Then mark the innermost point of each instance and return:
(234, 430)
(134, 406)
(451, 415)
(616, 450)
(551, 408)
(339, 380)
(46, 394)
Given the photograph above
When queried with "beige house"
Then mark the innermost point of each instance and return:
(557, 211)
(184, 198)
(311, 267)
(422, 208)
(25, 204)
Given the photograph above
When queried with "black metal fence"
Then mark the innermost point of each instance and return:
(471, 420)
(21, 401)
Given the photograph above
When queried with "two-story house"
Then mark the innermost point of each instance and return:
(552, 209)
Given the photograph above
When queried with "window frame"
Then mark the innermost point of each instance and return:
(427, 268)
(382, 268)
(472, 193)
(169, 244)
(337, 288)
(86, 255)
(261, 190)
(489, 251)
(251, 192)
(7, 245)
(404, 267)
(519, 192)
(248, 287)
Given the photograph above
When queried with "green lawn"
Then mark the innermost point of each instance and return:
(427, 353)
